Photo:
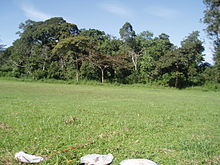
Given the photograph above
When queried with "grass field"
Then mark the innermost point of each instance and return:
(168, 126)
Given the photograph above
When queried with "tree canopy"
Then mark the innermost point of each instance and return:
(212, 20)
(57, 49)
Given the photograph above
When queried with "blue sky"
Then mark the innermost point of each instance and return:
(177, 18)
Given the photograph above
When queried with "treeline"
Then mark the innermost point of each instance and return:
(56, 49)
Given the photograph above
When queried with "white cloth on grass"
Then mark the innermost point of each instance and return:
(96, 159)
(137, 162)
(27, 158)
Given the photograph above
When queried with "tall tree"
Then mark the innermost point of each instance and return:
(32, 51)
(145, 42)
(180, 66)
(105, 55)
(212, 20)
(53, 30)
(130, 48)
(1, 53)
(98, 50)
(153, 51)
(193, 48)
(172, 67)
(127, 33)
(5, 58)
(72, 50)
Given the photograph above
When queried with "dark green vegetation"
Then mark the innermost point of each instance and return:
(56, 49)
(212, 20)
(168, 126)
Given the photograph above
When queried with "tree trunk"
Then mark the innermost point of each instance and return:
(62, 63)
(177, 75)
(177, 81)
(77, 72)
(44, 64)
(102, 75)
(77, 75)
(134, 59)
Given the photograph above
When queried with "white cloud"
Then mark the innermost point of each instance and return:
(116, 9)
(34, 14)
(162, 12)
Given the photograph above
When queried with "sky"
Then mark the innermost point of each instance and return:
(177, 18)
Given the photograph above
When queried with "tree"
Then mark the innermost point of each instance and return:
(102, 61)
(72, 50)
(164, 36)
(32, 51)
(144, 41)
(181, 66)
(132, 55)
(57, 49)
(21, 52)
(94, 34)
(5, 59)
(173, 67)
(98, 50)
(51, 31)
(127, 33)
(106, 55)
(130, 47)
(145, 35)
(212, 20)
(193, 48)
(153, 50)
(1, 54)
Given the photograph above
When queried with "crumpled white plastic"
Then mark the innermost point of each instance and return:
(97, 159)
(137, 162)
(27, 158)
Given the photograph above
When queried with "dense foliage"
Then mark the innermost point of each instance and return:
(212, 20)
(57, 49)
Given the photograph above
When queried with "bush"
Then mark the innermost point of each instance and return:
(209, 75)
(39, 74)
(10, 74)
(212, 86)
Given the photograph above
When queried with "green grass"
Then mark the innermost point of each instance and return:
(168, 126)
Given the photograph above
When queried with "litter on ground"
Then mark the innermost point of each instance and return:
(137, 162)
(97, 159)
(92, 159)
(27, 158)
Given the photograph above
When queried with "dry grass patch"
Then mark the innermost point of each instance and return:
(4, 126)
(214, 161)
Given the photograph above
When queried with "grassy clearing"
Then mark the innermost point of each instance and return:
(168, 126)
